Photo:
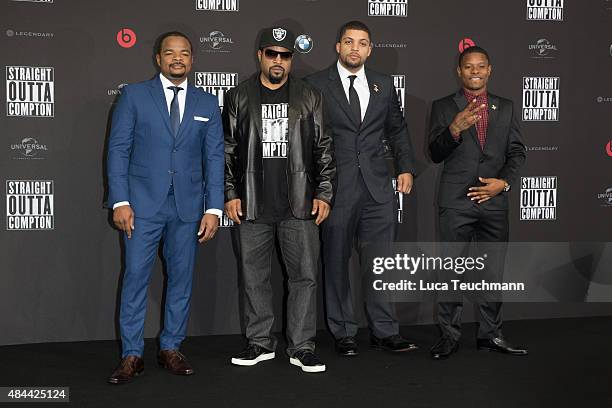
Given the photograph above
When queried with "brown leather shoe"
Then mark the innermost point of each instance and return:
(128, 368)
(175, 362)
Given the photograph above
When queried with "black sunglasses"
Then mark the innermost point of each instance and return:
(285, 55)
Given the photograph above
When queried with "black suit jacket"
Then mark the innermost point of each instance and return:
(360, 148)
(465, 161)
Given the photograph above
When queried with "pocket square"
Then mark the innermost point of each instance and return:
(200, 119)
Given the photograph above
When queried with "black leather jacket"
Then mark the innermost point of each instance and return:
(311, 167)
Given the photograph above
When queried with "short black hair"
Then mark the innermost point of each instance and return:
(353, 25)
(161, 38)
(473, 50)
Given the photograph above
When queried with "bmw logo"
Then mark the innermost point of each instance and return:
(304, 44)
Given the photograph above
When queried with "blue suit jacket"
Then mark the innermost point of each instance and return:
(144, 157)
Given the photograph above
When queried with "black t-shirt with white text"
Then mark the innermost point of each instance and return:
(275, 145)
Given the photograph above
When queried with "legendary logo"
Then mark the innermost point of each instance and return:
(399, 82)
(28, 34)
(543, 49)
(29, 149)
(30, 91)
(29, 205)
(551, 10)
(541, 99)
(216, 83)
(216, 41)
(539, 198)
(217, 5)
(304, 43)
(388, 8)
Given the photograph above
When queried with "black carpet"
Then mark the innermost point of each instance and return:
(569, 365)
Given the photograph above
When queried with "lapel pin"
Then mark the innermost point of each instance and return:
(375, 88)
(494, 107)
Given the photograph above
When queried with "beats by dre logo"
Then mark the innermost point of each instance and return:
(465, 44)
(609, 148)
(126, 38)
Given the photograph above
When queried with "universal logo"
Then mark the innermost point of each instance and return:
(543, 49)
(28, 34)
(388, 8)
(116, 91)
(607, 5)
(606, 198)
(216, 41)
(304, 43)
(217, 5)
(34, 1)
(29, 149)
(545, 10)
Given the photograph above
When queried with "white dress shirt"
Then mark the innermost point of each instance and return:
(360, 85)
(182, 96)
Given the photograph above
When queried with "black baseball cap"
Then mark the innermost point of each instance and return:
(277, 36)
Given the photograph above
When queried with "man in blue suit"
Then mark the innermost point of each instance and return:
(165, 175)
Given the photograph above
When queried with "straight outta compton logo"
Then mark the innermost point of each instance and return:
(29, 205)
(541, 99)
(388, 8)
(399, 81)
(30, 91)
(217, 5)
(275, 126)
(539, 198)
(216, 83)
(399, 196)
(551, 10)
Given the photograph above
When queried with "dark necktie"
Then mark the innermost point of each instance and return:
(175, 113)
(354, 101)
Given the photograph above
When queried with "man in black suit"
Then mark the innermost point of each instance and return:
(362, 109)
(476, 135)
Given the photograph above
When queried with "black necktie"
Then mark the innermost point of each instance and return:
(175, 113)
(354, 100)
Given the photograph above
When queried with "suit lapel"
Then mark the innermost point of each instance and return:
(374, 96)
(462, 103)
(337, 91)
(190, 103)
(157, 93)
(493, 117)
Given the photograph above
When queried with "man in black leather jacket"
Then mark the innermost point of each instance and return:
(279, 181)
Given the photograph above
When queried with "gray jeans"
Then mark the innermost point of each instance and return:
(299, 243)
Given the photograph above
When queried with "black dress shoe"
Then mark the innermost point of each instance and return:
(500, 345)
(395, 344)
(347, 346)
(444, 348)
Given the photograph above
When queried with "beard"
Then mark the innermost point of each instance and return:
(347, 63)
(276, 78)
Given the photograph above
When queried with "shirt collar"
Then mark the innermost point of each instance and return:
(344, 73)
(470, 96)
(166, 82)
